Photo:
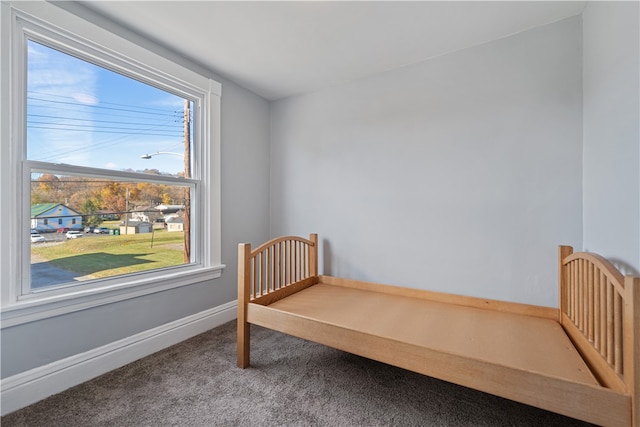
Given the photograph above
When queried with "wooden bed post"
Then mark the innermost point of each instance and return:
(563, 252)
(244, 277)
(632, 344)
(313, 255)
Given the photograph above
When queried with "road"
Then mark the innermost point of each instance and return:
(43, 274)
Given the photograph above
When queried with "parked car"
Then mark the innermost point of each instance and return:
(89, 229)
(63, 229)
(73, 234)
(36, 238)
(101, 230)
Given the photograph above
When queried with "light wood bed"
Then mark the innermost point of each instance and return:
(580, 360)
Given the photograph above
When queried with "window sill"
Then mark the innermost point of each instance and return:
(30, 310)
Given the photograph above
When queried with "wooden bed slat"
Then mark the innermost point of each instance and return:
(610, 324)
(597, 330)
(617, 328)
(603, 314)
(590, 302)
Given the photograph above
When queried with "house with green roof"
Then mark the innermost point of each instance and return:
(54, 216)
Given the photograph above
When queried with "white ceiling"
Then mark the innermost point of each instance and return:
(279, 49)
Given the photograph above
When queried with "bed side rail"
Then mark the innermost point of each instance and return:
(272, 271)
(600, 310)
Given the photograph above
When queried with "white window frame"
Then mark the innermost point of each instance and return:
(54, 27)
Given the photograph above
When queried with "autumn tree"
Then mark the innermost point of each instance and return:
(46, 189)
(76, 190)
(48, 183)
(113, 197)
(166, 199)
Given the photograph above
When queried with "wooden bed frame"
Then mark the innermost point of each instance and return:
(581, 360)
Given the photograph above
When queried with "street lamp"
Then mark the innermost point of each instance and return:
(148, 156)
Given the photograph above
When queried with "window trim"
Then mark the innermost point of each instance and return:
(22, 19)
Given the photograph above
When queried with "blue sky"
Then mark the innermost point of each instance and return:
(82, 114)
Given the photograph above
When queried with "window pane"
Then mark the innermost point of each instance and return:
(85, 228)
(85, 115)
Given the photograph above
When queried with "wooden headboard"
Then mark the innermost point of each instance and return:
(600, 311)
(285, 264)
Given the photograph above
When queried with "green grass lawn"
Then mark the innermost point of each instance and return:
(109, 255)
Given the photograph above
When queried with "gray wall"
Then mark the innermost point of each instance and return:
(460, 174)
(611, 132)
(245, 217)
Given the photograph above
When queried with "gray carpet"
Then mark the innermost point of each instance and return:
(292, 382)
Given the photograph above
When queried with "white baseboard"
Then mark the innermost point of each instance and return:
(28, 387)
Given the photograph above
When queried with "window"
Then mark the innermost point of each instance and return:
(116, 163)
(93, 117)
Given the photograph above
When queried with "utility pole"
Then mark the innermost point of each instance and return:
(126, 212)
(187, 191)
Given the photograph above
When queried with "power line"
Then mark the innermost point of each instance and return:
(75, 119)
(72, 126)
(95, 106)
(102, 131)
(102, 102)
(176, 118)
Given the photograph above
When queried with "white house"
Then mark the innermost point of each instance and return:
(146, 214)
(175, 223)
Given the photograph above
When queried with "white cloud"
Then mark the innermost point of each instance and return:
(85, 98)
(55, 115)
